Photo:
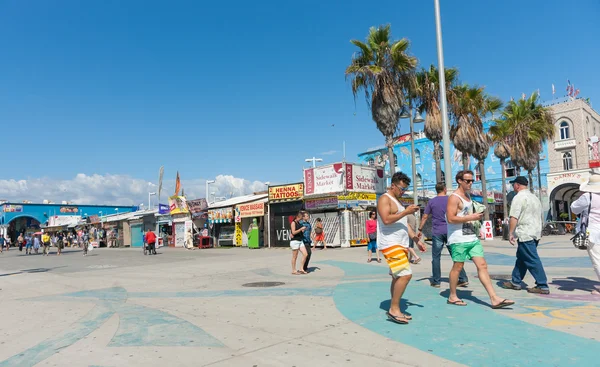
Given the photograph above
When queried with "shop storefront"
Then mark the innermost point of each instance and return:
(182, 226)
(249, 219)
(221, 224)
(285, 202)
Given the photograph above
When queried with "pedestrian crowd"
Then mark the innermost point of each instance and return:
(456, 225)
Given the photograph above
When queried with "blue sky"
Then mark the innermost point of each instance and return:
(248, 89)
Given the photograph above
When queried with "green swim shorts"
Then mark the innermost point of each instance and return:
(464, 251)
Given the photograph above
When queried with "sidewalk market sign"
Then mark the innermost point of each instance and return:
(340, 177)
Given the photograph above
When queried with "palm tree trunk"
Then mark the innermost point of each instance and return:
(389, 142)
(504, 202)
(530, 175)
(438, 162)
(484, 200)
(465, 160)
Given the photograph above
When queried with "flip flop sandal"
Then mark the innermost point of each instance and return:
(459, 302)
(301, 272)
(369, 260)
(398, 320)
(379, 260)
(503, 304)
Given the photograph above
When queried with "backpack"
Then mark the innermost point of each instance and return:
(319, 229)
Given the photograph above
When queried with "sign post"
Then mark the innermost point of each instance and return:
(488, 230)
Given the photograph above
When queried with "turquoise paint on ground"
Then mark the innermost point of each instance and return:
(85, 326)
(141, 326)
(474, 335)
(549, 262)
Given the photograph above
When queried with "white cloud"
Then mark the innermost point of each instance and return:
(117, 189)
(329, 152)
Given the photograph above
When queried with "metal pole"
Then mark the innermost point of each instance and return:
(443, 102)
(149, 202)
(414, 164)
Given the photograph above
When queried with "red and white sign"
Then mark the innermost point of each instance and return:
(324, 180)
(488, 230)
(335, 178)
(364, 179)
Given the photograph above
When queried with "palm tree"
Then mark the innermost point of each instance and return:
(500, 135)
(380, 68)
(465, 110)
(470, 107)
(428, 90)
(529, 126)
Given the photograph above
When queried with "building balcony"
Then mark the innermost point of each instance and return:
(563, 144)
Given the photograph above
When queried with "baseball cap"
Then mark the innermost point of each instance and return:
(521, 180)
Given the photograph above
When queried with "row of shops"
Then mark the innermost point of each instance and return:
(340, 194)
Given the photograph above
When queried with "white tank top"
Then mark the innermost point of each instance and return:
(462, 232)
(395, 233)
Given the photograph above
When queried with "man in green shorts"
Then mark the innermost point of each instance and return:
(464, 243)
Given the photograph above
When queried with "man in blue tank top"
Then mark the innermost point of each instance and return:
(464, 243)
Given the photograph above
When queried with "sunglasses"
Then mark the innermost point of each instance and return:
(402, 188)
(469, 181)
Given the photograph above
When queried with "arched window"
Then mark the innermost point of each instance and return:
(477, 173)
(396, 160)
(417, 156)
(567, 161)
(419, 181)
(443, 176)
(441, 152)
(509, 169)
(564, 131)
(371, 162)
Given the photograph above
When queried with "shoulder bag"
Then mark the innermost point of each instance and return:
(581, 240)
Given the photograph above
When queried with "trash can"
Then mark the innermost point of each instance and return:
(205, 242)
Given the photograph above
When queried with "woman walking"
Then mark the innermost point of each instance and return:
(588, 205)
(319, 234)
(372, 234)
(297, 244)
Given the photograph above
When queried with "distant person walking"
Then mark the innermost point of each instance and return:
(46, 244)
(297, 244)
(307, 238)
(36, 243)
(525, 230)
(28, 244)
(371, 225)
(2, 243)
(436, 209)
(464, 244)
(588, 205)
(20, 241)
(319, 234)
(60, 244)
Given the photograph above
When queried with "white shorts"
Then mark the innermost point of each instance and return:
(295, 245)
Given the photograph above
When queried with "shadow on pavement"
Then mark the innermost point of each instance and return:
(466, 295)
(570, 284)
(385, 305)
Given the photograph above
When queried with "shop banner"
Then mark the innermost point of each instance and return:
(286, 192)
(364, 179)
(178, 205)
(223, 215)
(324, 180)
(321, 203)
(358, 196)
(94, 219)
(238, 235)
(163, 209)
(69, 209)
(13, 208)
(249, 210)
(197, 207)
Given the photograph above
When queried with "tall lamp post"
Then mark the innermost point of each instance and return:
(413, 120)
(208, 182)
(314, 161)
(443, 102)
